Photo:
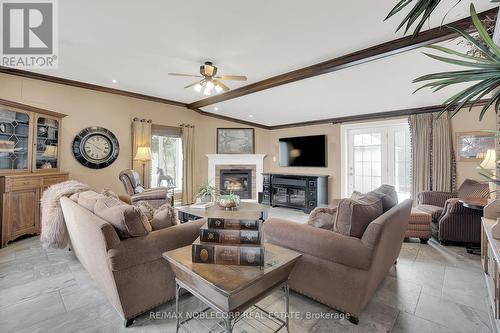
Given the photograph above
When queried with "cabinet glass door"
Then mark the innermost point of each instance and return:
(47, 141)
(14, 140)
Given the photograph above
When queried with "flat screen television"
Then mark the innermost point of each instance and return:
(303, 151)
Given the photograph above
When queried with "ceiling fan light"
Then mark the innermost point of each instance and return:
(210, 85)
(207, 91)
(197, 87)
(218, 88)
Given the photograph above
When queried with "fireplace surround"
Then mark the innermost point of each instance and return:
(253, 162)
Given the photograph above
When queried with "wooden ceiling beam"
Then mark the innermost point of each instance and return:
(379, 51)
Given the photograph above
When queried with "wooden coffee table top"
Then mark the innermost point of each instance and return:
(246, 210)
(229, 288)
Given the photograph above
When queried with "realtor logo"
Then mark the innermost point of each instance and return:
(29, 34)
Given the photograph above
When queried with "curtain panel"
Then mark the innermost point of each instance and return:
(443, 157)
(188, 164)
(433, 159)
(421, 146)
(141, 136)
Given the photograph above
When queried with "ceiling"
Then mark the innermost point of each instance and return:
(137, 45)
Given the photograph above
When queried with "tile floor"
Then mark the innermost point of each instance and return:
(432, 289)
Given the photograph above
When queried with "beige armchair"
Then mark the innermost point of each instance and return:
(136, 191)
(340, 271)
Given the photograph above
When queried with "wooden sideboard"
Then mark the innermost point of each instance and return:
(490, 260)
(30, 139)
(20, 202)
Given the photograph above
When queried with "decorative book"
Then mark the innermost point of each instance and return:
(211, 253)
(229, 236)
(219, 223)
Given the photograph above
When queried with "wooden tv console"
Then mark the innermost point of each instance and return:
(304, 192)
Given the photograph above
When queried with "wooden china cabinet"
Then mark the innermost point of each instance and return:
(29, 163)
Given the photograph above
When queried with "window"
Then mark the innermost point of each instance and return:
(376, 153)
(166, 151)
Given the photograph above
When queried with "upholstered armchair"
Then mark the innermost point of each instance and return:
(136, 192)
(451, 221)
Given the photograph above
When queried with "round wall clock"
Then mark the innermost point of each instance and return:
(96, 147)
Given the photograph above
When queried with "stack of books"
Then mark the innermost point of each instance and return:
(230, 242)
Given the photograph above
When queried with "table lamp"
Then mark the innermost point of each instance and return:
(490, 164)
(143, 154)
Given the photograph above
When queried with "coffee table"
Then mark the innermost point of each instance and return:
(230, 290)
(246, 210)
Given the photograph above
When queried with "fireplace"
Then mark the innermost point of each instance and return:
(236, 181)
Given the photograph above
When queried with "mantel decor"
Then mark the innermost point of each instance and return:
(235, 141)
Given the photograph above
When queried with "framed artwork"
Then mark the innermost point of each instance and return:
(472, 146)
(235, 141)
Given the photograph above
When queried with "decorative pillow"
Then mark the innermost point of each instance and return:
(88, 199)
(388, 195)
(164, 217)
(146, 208)
(127, 220)
(322, 217)
(353, 216)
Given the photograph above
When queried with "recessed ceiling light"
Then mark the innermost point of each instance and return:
(114, 81)
(250, 115)
(216, 109)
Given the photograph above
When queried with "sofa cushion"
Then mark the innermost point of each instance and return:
(88, 199)
(127, 220)
(388, 195)
(353, 216)
(472, 189)
(435, 211)
(164, 217)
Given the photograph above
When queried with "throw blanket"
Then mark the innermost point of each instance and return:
(54, 232)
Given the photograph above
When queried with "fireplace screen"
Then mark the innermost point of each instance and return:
(237, 182)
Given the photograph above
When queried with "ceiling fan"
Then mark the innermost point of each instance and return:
(209, 82)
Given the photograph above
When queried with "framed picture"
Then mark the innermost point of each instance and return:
(472, 146)
(235, 141)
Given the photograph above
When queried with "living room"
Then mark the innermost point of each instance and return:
(374, 203)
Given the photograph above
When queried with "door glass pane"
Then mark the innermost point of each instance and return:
(14, 133)
(47, 138)
(402, 162)
(367, 161)
(166, 167)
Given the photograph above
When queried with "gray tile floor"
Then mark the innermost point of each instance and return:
(432, 289)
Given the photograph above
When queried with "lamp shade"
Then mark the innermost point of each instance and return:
(143, 154)
(490, 160)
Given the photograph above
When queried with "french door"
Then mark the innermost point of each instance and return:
(377, 154)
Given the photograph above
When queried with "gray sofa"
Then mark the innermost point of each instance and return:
(340, 271)
(131, 271)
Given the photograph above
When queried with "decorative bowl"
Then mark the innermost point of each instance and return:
(229, 201)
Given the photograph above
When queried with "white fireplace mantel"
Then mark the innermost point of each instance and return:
(237, 159)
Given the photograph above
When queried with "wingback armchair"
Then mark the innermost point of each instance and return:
(451, 221)
(136, 192)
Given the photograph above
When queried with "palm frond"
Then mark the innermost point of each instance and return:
(419, 13)
(484, 71)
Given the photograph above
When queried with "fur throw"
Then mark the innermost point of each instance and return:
(54, 232)
(323, 217)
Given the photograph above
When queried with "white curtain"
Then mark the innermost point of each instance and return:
(141, 137)
(188, 164)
